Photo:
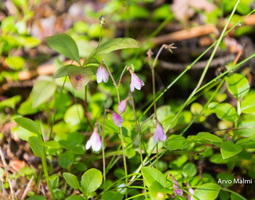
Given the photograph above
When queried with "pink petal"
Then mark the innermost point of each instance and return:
(122, 106)
(117, 119)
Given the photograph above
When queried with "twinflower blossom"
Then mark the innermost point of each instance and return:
(191, 192)
(102, 74)
(136, 82)
(159, 133)
(117, 119)
(122, 106)
(94, 141)
(177, 188)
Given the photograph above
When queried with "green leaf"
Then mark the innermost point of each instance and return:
(42, 91)
(64, 44)
(208, 137)
(175, 142)
(36, 146)
(71, 180)
(115, 44)
(151, 174)
(15, 62)
(189, 170)
(247, 142)
(157, 191)
(10, 102)
(66, 159)
(246, 127)
(28, 124)
(229, 149)
(208, 191)
(113, 195)
(223, 179)
(74, 197)
(62, 71)
(224, 111)
(36, 197)
(51, 143)
(74, 114)
(248, 104)
(79, 76)
(238, 85)
(91, 180)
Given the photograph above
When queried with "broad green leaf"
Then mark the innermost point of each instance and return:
(217, 159)
(74, 197)
(113, 45)
(225, 179)
(189, 170)
(208, 191)
(51, 143)
(247, 142)
(42, 91)
(248, 104)
(224, 111)
(28, 124)
(71, 180)
(113, 195)
(246, 127)
(64, 44)
(66, 159)
(23, 133)
(15, 62)
(36, 197)
(35, 145)
(235, 196)
(175, 142)
(238, 85)
(208, 137)
(157, 191)
(91, 180)
(10, 102)
(151, 174)
(79, 76)
(229, 149)
(62, 71)
(74, 114)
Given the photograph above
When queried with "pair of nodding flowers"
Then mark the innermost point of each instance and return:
(95, 140)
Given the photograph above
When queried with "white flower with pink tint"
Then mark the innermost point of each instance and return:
(122, 106)
(177, 187)
(102, 74)
(117, 119)
(159, 134)
(94, 141)
(136, 82)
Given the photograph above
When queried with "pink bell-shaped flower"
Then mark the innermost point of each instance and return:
(117, 119)
(122, 106)
(177, 188)
(191, 192)
(159, 133)
(102, 74)
(94, 141)
(136, 82)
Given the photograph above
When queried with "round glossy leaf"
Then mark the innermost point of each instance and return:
(71, 180)
(229, 149)
(66, 159)
(238, 85)
(224, 111)
(208, 191)
(74, 114)
(91, 180)
(248, 104)
(151, 175)
(189, 170)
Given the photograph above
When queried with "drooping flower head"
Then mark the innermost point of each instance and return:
(102, 74)
(122, 105)
(159, 133)
(191, 192)
(136, 82)
(177, 187)
(117, 119)
(94, 141)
